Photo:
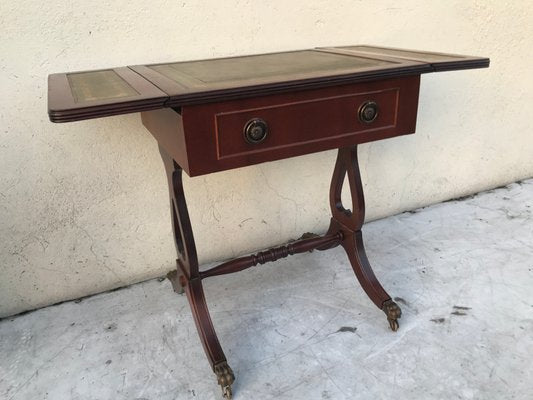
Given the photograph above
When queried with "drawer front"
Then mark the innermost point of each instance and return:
(299, 123)
(243, 132)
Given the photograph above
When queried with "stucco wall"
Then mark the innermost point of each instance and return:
(83, 206)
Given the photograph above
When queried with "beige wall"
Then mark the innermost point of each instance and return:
(83, 206)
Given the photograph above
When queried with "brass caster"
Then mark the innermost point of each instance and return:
(226, 392)
(308, 235)
(175, 280)
(225, 378)
(393, 312)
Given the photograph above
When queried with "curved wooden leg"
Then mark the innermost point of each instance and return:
(187, 276)
(208, 336)
(349, 222)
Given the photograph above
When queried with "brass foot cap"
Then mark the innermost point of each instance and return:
(225, 378)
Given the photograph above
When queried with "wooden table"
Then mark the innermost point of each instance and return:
(219, 114)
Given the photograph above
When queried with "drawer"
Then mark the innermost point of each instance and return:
(293, 124)
(218, 136)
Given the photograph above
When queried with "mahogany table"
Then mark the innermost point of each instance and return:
(219, 114)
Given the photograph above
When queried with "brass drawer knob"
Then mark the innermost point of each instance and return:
(255, 130)
(368, 112)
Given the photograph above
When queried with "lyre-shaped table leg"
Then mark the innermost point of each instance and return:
(350, 222)
(187, 276)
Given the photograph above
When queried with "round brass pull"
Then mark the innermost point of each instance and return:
(255, 130)
(368, 112)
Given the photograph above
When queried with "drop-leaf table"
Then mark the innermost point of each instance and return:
(219, 114)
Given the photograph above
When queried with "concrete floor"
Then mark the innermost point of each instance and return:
(302, 328)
